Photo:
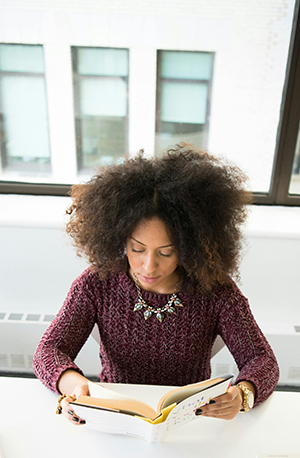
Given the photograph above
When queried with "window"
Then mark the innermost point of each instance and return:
(183, 97)
(101, 112)
(23, 108)
(224, 76)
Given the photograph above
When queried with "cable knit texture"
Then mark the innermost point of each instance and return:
(174, 352)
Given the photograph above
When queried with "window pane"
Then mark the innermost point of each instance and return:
(23, 105)
(186, 65)
(25, 117)
(103, 140)
(183, 102)
(295, 179)
(21, 58)
(175, 132)
(103, 97)
(111, 62)
(101, 93)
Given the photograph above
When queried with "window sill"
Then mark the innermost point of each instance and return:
(49, 212)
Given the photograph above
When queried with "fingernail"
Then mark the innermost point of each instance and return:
(198, 412)
(212, 402)
(70, 412)
(76, 419)
(82, 422)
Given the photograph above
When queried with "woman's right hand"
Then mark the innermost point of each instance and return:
(68, 411)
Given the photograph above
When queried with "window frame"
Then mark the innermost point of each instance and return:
(286, 139)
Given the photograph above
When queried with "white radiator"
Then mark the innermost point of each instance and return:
(20, 334)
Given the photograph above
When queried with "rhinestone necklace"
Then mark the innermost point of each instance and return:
(169, 307)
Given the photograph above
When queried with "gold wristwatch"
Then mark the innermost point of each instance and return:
(248, 397)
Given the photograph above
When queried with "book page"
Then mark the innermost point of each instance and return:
(98, 391)
(184, 412)
(179, 394)
(103, 397)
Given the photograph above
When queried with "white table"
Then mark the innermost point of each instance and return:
(30, 428)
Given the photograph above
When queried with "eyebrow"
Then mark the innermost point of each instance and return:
(165, 246)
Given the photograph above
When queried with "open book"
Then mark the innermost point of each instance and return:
(108, 411)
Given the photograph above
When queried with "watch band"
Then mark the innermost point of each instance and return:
(248, 397)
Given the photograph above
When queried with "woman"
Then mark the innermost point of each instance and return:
(163, 239)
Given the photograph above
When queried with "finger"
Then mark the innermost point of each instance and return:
(69, 413)
(219, 405)
(222, 415)
(220, 409)
(226, 412)
(73, 418)
(226, 406)
(223, 412)
(225, 398)
(232, 397)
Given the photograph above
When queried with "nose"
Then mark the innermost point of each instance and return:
(150, 263)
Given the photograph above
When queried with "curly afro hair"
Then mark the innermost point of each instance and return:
(202, 201)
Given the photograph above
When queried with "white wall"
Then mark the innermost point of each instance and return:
(38, 263)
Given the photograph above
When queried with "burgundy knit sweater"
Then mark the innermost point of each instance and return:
(174, 352)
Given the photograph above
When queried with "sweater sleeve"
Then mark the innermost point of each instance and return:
(66, 334)
(252, 353)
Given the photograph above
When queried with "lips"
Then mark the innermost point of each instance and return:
(148, 279)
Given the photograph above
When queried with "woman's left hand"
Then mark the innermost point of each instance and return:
(225, 407)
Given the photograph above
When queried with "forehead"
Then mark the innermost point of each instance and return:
(152, 231)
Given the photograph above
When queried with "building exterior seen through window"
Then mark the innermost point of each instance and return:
(25, 145)
(295, 178)
(101, 109)
(184, 81)
(87, 90)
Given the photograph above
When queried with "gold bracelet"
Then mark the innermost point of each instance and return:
(59, 407)
(60, 398)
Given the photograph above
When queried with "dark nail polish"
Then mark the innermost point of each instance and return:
(82, 422)
(212, 402)
(198, 412)
(76, 419)
(70, 412)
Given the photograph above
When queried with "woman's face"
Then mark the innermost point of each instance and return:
(152, 257)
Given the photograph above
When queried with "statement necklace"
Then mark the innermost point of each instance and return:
(169, 307)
